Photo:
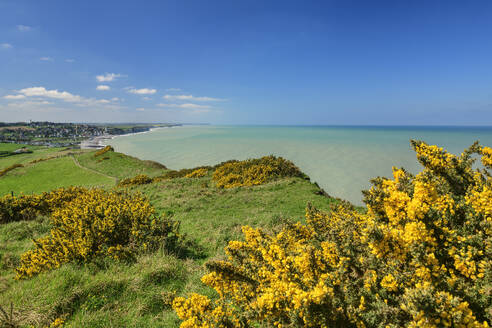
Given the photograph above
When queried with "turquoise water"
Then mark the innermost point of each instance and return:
(340, 159)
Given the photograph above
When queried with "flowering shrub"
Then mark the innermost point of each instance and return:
(28, 207)
(58, 322)
(137, 180)
(198, 173)
(254, 171)
(98, 223)
(42, 159)
(420, 256)
(173, 174)
(103, 151)
(9, 168)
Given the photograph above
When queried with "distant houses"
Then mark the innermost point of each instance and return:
(65, 134)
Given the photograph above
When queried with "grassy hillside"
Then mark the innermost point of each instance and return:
(136, 294)
(119, 165)
(37, 152)
(47, 168)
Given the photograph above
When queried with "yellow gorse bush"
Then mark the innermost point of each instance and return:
(198, 173)
(420, 256)
(28, 207)
(58, 322)
(253, 172)
(103, 151)
(9, 168)
(137, 180)
(98, 223)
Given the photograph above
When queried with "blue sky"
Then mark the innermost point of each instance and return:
(247, 62)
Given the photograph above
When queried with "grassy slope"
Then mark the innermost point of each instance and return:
(38, 152)
(47, 175)
(133, 295)
(119, 165)
(63, 171)
(214, 216)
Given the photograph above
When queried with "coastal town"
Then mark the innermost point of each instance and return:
(68, 134)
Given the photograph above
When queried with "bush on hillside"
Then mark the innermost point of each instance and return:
(173, 174)
(198, 173)
(254, 171)
(9, 168)
(41, 160)
(45, 159)
(103, 151)
(135, 181)
(98, 223)
(421, 256)
(28, 207)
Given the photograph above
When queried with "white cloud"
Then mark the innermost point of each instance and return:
(6, 46)
(29, 104)
(190, 98)
(54, 94)
(103, 87)
(46, 58)
(143, 91)
(115, 99)
(173, 89)
(35, 98)
(108, 77)
(146, 98)
(14, 97)
(185, 106)
(141, 109)
(24, 28)
(70, 60)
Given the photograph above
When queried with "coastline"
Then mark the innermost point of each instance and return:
(326, 154)
(99, 141)
(95, 143)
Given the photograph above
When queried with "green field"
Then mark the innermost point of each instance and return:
(114, 294)
(10, 146)
(68, 167)
(119, 165)
(47, 175)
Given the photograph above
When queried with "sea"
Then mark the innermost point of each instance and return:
(341, 159)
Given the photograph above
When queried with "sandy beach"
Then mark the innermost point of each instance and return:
(95, 143)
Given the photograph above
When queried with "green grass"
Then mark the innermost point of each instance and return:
(61, 169)
(119, 165)
(114, 294)
(48, 175)
(38, 152)
(4, 146)
(214, 216)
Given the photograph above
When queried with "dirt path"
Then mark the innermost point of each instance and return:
(93, 171)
